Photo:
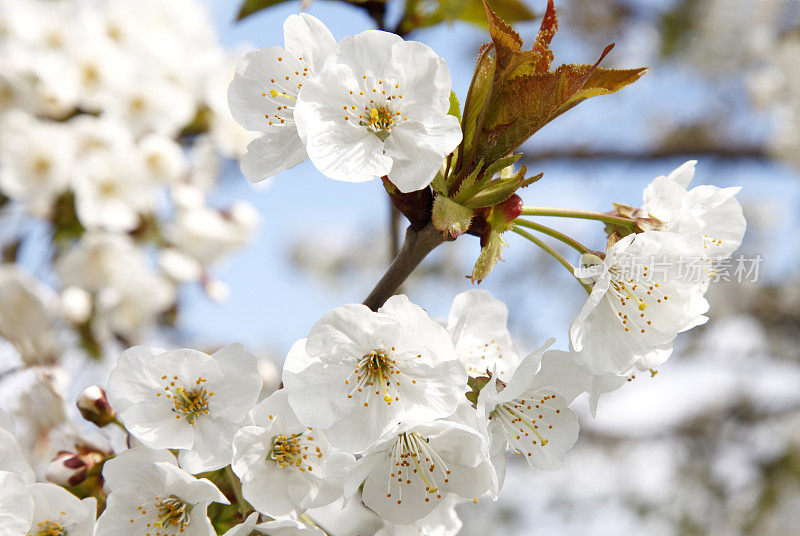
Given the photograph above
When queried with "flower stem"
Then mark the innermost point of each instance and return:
(236, 486)
(581, 214)
(553, 253)
(552, 232)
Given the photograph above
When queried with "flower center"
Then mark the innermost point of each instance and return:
(414, 460)
(107, 188)
(50, 528)
(525, 419)
(375, 106)
(137, 105)
(379, 120)
(42, 165)
(630, 296)
(374, 371)
(172, 512)
(293, 450)
(188, 403)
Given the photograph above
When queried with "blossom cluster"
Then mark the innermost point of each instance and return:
(113, 120)
(389, 407)
(114, 126)
(386, 412)
(372, 105)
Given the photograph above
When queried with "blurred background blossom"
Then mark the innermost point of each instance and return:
(124, 220)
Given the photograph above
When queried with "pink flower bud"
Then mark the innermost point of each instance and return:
(94, 406)
(501, 216)
(67, 469)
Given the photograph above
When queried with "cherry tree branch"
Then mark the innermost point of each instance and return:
(416, 246)
(742, 152)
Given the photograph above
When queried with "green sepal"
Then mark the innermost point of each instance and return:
(448, 216)
(490, 254)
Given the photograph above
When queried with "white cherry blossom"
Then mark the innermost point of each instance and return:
(379, 107)
(638, 304)
(112, 191)
(57, 511)
(35, 160)
(149, 103)
(360, 372)
(151, 495)
(478, 326)
(709, 216)
(264, 90)
(286, 467)
(529, 415)
(163, 159)
(127, 293)
(28, 312)
(42, 509)
(412, 470)
(207, 234)
(185, 399)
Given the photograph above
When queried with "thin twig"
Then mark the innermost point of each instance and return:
(568, 240)
(394, 230)
(580, 214)
(742, 152)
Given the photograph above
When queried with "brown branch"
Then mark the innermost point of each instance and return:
(416, 246)
(727, 153)
(394, 230)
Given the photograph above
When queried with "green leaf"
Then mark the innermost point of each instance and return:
(496, 191)
(524, 105)
(465, 189)
(477, 98)
(526, 95)
(253, 6)
(455, 107)
(448, 216)
(501, 164)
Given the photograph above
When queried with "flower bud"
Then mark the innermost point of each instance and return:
(67, 469)
(501, 216)
(94, 406)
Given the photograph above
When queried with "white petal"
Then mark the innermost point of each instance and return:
(663, 198)
(134, 469)
(276, 151)
(418, 149)
(249, 96)
(478, 327)
(11, 458)
(683, 174)
(16, 509)
(211, 448)
(237, 391)
(307, 37)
